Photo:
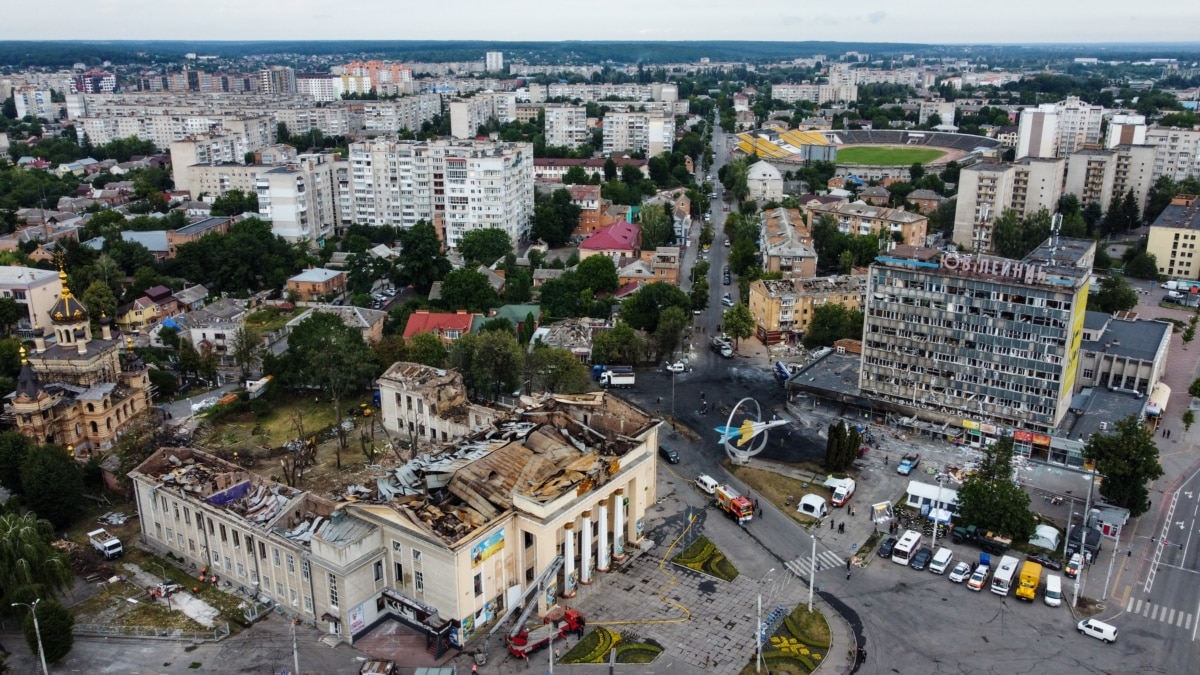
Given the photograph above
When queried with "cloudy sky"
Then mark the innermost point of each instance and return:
(927, 21)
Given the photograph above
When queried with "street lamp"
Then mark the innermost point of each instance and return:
(37, 631)
(162, 569)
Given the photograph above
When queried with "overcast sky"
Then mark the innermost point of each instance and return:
(927, 21)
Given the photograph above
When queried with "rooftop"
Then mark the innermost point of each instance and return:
(1183, 215)
(1130, 339)
(315, 275)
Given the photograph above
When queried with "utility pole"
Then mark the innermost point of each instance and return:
(37, 630)
(812, 573)
(1087, 508)
(758, 626)
(295, 651)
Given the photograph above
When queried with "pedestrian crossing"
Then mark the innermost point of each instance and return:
(826, 560)
(1167, 615)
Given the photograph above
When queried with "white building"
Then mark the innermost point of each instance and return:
(566, 126)
(467, 115)
(494, 62)
(468, 184)
(1102, 175)
(36, 102)
(301, 199)
(1058, 129)
(651, 133)
(765, 183)
(987, 189)
(1177, 154)
(817, 93)
(1125, 130)
(1037, 132)
(406, 112)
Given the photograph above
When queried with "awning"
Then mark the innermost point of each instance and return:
(1159, 395)
(330, 618)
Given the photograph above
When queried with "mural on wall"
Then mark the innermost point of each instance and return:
(641, 528)
(356, 619)
(465, 630)
(618, 545)
(571, 584)
(552, 593)
(488, 547)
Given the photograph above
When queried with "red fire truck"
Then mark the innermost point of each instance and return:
(738, 507)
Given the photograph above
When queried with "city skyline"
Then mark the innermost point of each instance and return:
(942, 22)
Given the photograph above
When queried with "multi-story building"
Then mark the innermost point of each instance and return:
(254, 131)
(35, 291)
(817, 93)
(783, 308)
(1037, 132)
(317, 282)
(35, 102)
(1058, 129)
(226, 153)
(651, 133)
(786, 243)
(1177, 154)
(764, 183)
(1101, 175)
(467, 115)
(1125, 130)
(494, 62)
(94, 81)
(301, 199)
(583, 91)
(470, 184)
(521, 500)
(387, 78)
(943, 109)
(986, 189)
(986, 344)
(393, 115)
(566, 126)
(859, 219)
(277, 80)
(1174, 236)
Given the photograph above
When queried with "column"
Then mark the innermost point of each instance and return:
(619, 525)
(585, 550)
(569, 561)
(602, 541)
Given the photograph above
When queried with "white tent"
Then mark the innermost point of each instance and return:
(1045, 536)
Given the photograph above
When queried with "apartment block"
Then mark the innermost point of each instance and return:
(469, 184)
(386, 77)
(191, 158)
(277, 80)
(986, 189)
(1096, 175)
(1058, 129)
(786, 243)
(583, 91)
(35, 291)
(494, 62)
(860, 219)
(783, 308)
(467, 115)
(1037, 132)
(943, 109)
(94, 81)
(36, 102)
(1178, 152)
(1173, 238)
(404, 113)
(301, 199)
(978, 343)
(817, 93)
(566, 126)
(1125, 130)
(651, 133)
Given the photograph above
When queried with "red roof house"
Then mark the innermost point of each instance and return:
(615, 240)
(448, 327)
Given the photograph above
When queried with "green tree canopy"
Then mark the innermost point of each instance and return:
(52, 485)
(832, 322)
(738, 323)
(490, 363)
(841, 447)
(558, 371)
(1115, 295)
(420, 261)
(428, 349)
(1127, 458)
(600, 272)
(484, 246)
(990, 500)
(235, 203)
(658, 227)
(618, 346)
(642, 309)
(29, 565)
(248, 259)
(468, 289)
(54, 624)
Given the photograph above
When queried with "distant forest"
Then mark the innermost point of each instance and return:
(21, 54)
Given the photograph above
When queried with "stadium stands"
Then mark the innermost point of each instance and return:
(937, 139)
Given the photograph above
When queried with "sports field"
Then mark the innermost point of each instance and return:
(884, 155)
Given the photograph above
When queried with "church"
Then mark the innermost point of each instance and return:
(77, 390)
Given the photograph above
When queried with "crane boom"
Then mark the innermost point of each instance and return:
(535, 585)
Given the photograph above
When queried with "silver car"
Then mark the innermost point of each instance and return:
(960, 572)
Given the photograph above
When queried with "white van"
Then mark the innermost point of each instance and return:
(706, 484)
(813, 505)
(941, 560)
(1098, 629)
(1053, 590)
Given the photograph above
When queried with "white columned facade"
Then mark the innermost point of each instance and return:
(619, 525)
(569, 561)
(602, 541)
(585, 549)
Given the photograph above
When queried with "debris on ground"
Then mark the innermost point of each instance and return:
(84, 560)
(114, 518)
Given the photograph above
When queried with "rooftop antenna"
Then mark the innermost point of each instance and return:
(1055, 224)
(985, 214)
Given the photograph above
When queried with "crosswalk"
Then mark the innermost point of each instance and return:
(1167, 615)
(825, 560)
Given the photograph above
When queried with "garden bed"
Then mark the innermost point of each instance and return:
(596, 646)
(798, 645)
(703, 556)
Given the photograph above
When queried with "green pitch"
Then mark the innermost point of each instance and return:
(886, 155)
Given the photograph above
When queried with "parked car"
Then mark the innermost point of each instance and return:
(1045, 561)
(1074, 565)
(1098, 629)
(727, 300)
(960, 572)
(921, 558)
(885, 549)
(980, 578)
(668, 454)
(676, 367)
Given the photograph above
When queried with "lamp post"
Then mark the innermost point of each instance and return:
(166, 595)
(37, 631)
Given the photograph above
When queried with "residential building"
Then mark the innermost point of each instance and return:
(783, 309)
(662, 264)
(616, 240)
(926, 201)
(35, 102)
(35, 291)
(986, 189)
(979, 343)
(470, 184)
(214, 327)
(386, 77)
(875, 195)
(1177, 154)
(301, 199)
(78, 391)
(467, 115)
(1058, 129)
(817, 93)
(369, 322)
(316, 283)
(566, 126)
(94, 81)
(277, 80)
(1125, 130)
(494, 62)
(193, 231)
(651, 133)
(449, 326)
(1037, 132)
(859, 218)
(764, 183)
(1173, 238)
(943, 109)
(393, 115)
(553, 169)
(1101, 175)
(786, 243)
(591, 207)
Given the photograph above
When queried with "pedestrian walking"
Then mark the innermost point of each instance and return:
(841, 528)
(831, 524)
(847, 575)
(847, 564)
(886, 459)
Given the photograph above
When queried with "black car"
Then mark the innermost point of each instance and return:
(885, 549)
(921, 558)
(668, 454)
(1045, 561)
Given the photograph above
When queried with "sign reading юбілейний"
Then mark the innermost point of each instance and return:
(994, 267)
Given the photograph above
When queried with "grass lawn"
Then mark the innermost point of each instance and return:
(703, 556)
(777, 489)
(277, 426)
(886, 155)
(798, 645)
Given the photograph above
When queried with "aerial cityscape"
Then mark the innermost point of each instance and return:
(641, 344)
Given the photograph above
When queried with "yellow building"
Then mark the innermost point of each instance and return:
(783, 308)
(1174, 237)
(860, 218)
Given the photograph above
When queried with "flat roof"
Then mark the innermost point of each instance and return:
(316, 274)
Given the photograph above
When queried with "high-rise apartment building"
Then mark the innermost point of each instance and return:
(277, 80)
(1177, 153)
(1174, 239)
(386, 77)
(301, 199)
(1101, 175)
(651, 133)
(1037, 132)
(566, 126)
(1125, 130)
(986, 189)
(981, 344)
(94, 81)
(1058, 129)
(494, 62)
(817, 93)
(468, 114)
(36, 102)
(469, 184)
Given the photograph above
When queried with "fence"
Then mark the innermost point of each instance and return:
(156, 632)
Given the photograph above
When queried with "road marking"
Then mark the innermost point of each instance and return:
(1146, 612)
(1189, 623)
(1171, 615)
(1129, 605)
(1154, 613)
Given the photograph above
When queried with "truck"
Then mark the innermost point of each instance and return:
(599, 370)
(908, 463)
(721, 345)
(988, 541)
(611, 378)
(1031, 577)
(738, 507)
(1006, 571)
(1086, 540)
(107, 544)
(559, 622)
(843, 489)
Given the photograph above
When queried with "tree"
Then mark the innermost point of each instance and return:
(468, 289)
(558, 371)
(670, 328)
(1193, 390)
(1008, 240)
(53, 629)
(610, 169)
(642, 309)
(1189, 418)
(832, 322)
(14, 448)
(658, 227)
(619, 345)
(916, 172)
(600, 272)
(30, 566)
(52, 485)
(738, 323)
(99, 300)
(1115, 295)
(490, 363)
(10, 314)
(576, 175)
(189, 358)
(235, 203)
(990, 500)
(484, 246)
(1128, 461)
(421, 261)
(841, 447)
(428, 349)
(246, 343)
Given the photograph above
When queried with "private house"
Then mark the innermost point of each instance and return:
(617, 240)
(447, 326)
(316, 283)
(367, 321)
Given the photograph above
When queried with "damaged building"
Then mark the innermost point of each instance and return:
(443, 542)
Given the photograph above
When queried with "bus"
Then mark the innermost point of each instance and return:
(906, 547)
(1002, 580)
